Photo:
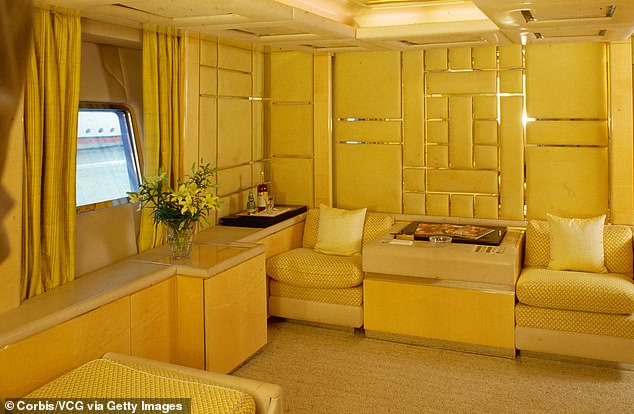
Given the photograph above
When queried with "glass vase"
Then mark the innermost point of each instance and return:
(180, 240)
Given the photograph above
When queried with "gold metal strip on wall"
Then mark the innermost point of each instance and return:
(363, 142)
(299, 157)
(292, 103)
(450, 193)
(242, 98)
(353, 119)
(565, 119)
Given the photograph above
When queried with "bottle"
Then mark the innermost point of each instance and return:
(251, 209)
(263, 193)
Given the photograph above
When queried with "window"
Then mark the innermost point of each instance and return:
(107, 162)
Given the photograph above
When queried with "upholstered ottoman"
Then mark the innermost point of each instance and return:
(117, 376)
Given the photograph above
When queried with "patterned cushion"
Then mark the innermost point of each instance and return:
(617, 241)
(593, 323)
(537, 252)
(104, 378)
(350, 296)
(307, 268)
(590, 292)
(311, 228)
(375, 225)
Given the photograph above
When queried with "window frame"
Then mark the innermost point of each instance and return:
(134, 159)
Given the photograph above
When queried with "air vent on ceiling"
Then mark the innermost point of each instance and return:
(545, 36)
(530, 17)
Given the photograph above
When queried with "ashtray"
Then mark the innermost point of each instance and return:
(439, 241)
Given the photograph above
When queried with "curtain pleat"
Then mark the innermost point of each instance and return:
(162, 118)
(51, 105)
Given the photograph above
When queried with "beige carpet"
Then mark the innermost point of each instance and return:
(331, 371)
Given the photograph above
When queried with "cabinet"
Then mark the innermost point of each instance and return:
(235, 315)
(459, 296)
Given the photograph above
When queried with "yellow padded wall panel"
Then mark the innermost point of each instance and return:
(322, 133)
(257, 74)
(207, 129)
(511, 158)
(569, 182)
(510, 56)
(368, 176)
(291, 76)
(234, 132)
(460, 132)
(437, 107)
(413, 109)
(368, 85)
(235, 58)
(486, 157)
(565, 132)
(438, 156)
(438, 132)
(484, 57)
(485, 107)
(368, 131)
(258, 129)
(234, 179)
(460, 58)
(231, 83)
(414, 203)
(622, 150)
(436, 59)
(233, 203)
(566, 80)
(291, 130)
(208, 53)
(461, 205)
(208, 81)
(437, 204)
(461, 82)
(485, 132)
(292, 180)
(486, 207)
(511, 81)
(414, 179)
(462, 181)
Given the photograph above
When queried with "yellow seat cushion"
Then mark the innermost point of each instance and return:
(590, 292)
(593, 323)
(349, 296)
(105, 378)
(308, 268)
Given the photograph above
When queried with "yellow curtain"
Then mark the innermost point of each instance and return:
(162, 117)
(51, 104)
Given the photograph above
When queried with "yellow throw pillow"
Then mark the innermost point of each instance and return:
(340, 231)
(576, 244)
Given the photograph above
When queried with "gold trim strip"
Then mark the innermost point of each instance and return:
(353, 119)
(362, 142)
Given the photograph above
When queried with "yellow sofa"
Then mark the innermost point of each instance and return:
(117, 378)
(576, 313)
(311, 286)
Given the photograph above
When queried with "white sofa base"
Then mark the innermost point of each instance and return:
(318, 312)
(573, 344)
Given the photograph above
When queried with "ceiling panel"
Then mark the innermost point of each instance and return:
(333, 25)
